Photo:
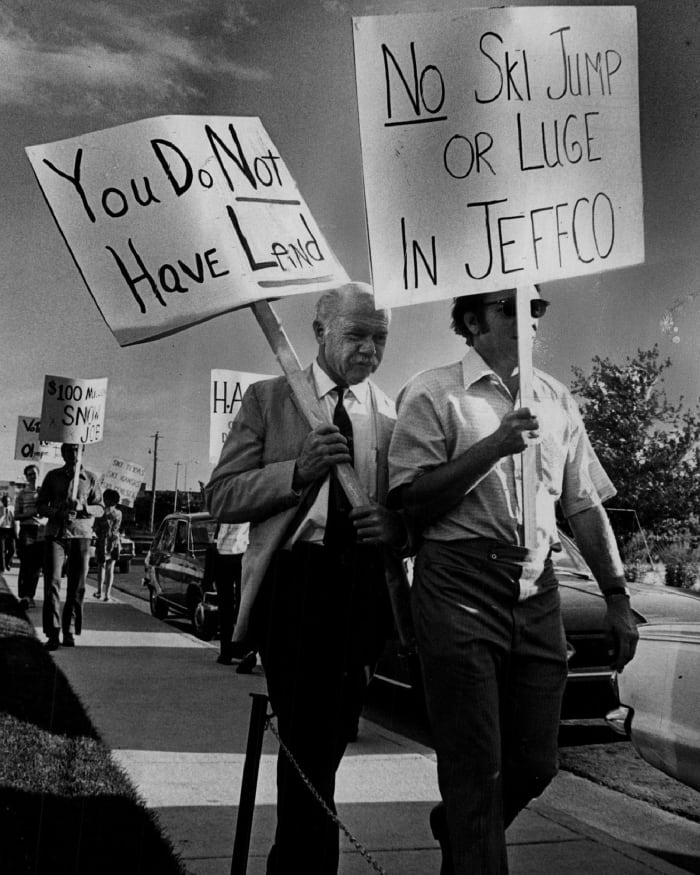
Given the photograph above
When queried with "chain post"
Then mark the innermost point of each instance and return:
(249, 782)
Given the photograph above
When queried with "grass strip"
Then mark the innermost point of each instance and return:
(66, 808)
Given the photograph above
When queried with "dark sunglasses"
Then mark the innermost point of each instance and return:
(538, 307)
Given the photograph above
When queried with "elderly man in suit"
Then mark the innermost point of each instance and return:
(314, 601)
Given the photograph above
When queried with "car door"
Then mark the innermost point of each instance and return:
(178, 566)
(162, 557)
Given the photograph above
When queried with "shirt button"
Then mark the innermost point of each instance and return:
(494, 556)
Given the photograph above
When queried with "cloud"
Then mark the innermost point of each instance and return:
(97, 56)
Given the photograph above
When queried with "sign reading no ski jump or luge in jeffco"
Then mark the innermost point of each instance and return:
(73, 411)
(500, 147)
(174, 220)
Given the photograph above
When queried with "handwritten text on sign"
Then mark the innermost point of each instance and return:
(500, 147)
(226, 394)
(28, 447)
(126, 477)
(174, 220)
(73, 411)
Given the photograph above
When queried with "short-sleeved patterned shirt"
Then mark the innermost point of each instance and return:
(444, 411)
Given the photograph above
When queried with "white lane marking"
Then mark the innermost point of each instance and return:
(167, 779)
(95, 638)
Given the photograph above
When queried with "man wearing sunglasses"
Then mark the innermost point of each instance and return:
(489, 629)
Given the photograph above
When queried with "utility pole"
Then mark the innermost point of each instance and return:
(177, 473)
(153, 483)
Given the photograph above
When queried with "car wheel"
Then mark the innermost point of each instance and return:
(124, 566)
(203, 623)
(158, 607)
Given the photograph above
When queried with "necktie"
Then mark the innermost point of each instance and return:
(340, 531)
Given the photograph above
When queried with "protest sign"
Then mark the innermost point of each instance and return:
(177, 219)
(28, 447)
(500, 147)
(227, 390)
(73, 411)
(126, 477)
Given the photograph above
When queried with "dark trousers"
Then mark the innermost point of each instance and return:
(494, 671)
(31, 560)
(73, 553)
(7, 548)
(227, 579)
(320, 621)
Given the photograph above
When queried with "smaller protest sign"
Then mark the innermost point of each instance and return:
(73, 410)
(126, 477)
(227, 391)
(28, 446)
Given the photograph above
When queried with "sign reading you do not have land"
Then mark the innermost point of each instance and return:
(176, 219)
(500, 147)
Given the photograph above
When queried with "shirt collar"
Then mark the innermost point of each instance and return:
(474, 368)
(324, 384)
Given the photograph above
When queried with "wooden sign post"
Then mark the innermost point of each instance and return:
(306, 398)
(529, 455)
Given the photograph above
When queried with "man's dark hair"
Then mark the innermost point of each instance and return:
(460, 307)
(111, 495)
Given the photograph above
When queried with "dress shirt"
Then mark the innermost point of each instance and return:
(357, 401)
(444, 411)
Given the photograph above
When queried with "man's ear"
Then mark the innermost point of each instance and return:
(318, 331)
(471, 323)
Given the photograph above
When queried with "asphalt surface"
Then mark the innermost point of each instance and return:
(178, 723)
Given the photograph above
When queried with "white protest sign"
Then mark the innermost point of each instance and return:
(126, 478)
(28, 447)
(174, 220)
(73, 411)
(226, 394)
(500, 147)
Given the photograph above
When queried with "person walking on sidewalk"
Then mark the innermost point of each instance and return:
(314, 600)
(106, 529)
(226, 565)
(7, 534)
(68, 535)
(30, 543)
(487, 614)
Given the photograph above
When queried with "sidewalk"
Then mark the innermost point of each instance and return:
(178, 723)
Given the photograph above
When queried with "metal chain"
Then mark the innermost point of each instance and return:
(314, 792)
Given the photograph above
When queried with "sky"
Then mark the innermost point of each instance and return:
(79, 66)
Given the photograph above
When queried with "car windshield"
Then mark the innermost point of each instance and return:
(203, 534)
(569, 558)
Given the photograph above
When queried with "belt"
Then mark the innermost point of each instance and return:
(492, 550)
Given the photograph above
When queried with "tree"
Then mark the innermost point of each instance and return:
(648, 446)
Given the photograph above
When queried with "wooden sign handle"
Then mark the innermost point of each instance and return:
(76, 476)
(529, 456)
(306, 398)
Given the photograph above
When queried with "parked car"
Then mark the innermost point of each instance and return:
(659, 692)
(590, 692)
(126, 554)
(174, 571)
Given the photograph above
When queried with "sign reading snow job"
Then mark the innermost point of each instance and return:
(226, 393)
(500, 147)
(73, 411)
(176, 219)
(126, 477)
(28, 447)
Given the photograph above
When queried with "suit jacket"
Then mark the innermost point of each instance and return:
(252, 481)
